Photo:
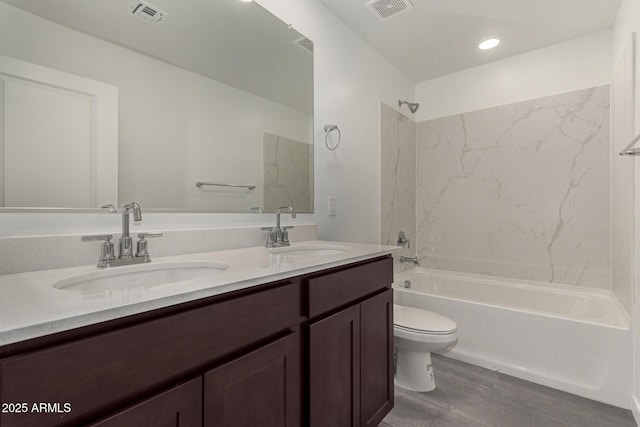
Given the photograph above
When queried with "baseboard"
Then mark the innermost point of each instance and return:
(635, 408)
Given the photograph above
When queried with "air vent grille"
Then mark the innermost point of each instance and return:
(147, 12)
(387, 9)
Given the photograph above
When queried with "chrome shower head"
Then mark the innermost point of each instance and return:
(413, 106)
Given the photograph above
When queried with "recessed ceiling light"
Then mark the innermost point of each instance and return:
(246, 1)
(489, 43)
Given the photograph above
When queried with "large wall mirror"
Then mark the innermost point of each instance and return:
(194, 105)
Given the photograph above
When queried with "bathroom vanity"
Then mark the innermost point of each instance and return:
(302, 340)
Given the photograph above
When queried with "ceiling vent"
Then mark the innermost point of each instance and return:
(304, 43)
(387, 9)
(147, 12)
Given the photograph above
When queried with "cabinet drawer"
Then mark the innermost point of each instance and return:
(333, 290)
(101, 373)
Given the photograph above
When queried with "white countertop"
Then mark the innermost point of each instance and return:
(30, 306)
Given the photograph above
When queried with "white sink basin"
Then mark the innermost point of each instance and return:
(311, 249)
(141, 276)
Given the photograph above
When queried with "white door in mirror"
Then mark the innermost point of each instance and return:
(53, 123)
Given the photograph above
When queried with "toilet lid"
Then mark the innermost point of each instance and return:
(418, 320)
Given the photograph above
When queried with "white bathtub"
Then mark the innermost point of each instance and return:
(571, 339)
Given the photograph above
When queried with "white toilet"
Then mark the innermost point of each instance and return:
(417, 333)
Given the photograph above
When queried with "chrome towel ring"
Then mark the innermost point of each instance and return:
(327, 130)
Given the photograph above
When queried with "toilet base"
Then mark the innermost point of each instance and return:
(414, 371)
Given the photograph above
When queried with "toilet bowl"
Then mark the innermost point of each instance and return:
(416, 334)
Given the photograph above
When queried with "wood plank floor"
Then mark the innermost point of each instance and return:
(469, 396)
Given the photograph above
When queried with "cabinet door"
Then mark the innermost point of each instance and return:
(180, 406)
(334, 370)
(376, 340)
(261, 388)
(115, 367)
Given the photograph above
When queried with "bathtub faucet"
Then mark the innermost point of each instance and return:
(410, 259)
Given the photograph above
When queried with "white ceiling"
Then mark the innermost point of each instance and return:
(439, 37)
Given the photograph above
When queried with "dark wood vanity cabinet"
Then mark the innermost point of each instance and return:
(260, 388)
(351, 346)
(376, 360)
(313, 350)
(334, 370)
(180, 406)
(97, 374)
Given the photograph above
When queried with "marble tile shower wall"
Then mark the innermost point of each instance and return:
(287, 173)
(622, 131)
(520, 190)
(398, 181)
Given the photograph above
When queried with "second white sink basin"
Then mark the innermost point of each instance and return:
(141, 276)
(311, 249)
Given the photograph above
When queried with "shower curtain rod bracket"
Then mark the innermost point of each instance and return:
(628, 151)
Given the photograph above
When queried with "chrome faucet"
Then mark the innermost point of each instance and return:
(126, 243)
(414, 260)
(285, 209)
(125, 256)
(403, 241)
(279, 236)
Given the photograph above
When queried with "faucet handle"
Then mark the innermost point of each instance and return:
(284, 236)
(403, 241)
(142, 247)
(272, 236)
(107, 253)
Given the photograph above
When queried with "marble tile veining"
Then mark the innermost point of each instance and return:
(287, 173)
(520, 190)
(398, 181)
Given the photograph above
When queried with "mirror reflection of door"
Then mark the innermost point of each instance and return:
(49, 135)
